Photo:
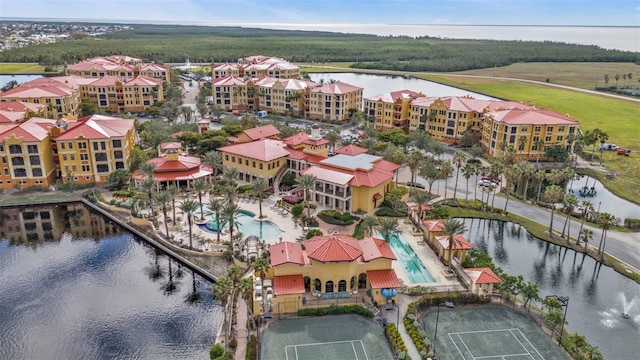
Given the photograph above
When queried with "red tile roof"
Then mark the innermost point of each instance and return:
(261, 132)
(531, 117)
(391, 97)
(316, 142)
(32, 130)
(375, 248)
(142, 80)
(336, 88)
(333, 248)
(351, 150)
(286, 252)
(170, 145)
(183, 163)
(264, 150)
(190, 174)
(299, 154)
(97, 127)
(288, 284)
(296, 139)
(371, 178)
(482, 275)
(386, 165)
(434, 225)
(381, 279)
(328, 175)
(459, 242)
(228, 81)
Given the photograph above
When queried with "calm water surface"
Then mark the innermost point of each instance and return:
(109, 297)
(603, 198)
(596, 293)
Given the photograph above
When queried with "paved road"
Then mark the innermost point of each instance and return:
(624, 246)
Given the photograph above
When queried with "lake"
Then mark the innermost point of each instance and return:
(4, 79)
(596, 293)
(378, 84)
(77, 287)
(603, 199)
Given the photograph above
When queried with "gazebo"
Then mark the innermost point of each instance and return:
(174, 168)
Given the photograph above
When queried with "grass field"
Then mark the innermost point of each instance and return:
(580, 75)
(21, 69)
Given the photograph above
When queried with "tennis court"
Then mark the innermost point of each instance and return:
(489, 333)
(348, 337)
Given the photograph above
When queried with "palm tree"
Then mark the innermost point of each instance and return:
(216, 111)
(173, 192)
(587, 208)
(221, 290)
(261, 266)
(245, 287)
(215, 208)
(388, 226)
(307, 183)
(214, 159)
(187, 112)
(148, 185)
(458, 158)
(527, 171)
(539, 176)
(413, 161)
(467, 171)
(569, 204)
(189, 208)
(333, 138)
(606, 221)
(230, 175)
(259, 189)
(453, 228)
(229, 192)
(368, 223)
(522, 141)
(147, 169)
(512, 176)
(446, 170)
(539, 144)
(200, 186)
(230, 211)
(529, 292)
(552, 195)
(163, 198)
(477, 170)
(420, 198)
(585, 235)
(495, 171)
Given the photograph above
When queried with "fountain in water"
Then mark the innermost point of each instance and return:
(627, 305)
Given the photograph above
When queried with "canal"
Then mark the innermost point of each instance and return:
(76, 286)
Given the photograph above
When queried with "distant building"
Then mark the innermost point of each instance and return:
(60, 95)
(333, 101)
(257, 66)
(390, 110)
(120, 66)
(111, 94)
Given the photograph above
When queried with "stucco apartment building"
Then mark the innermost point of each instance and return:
(351, 180)
(114, 95)
(257, 66)
(333, 101)
(120, 66)
(390, 110)
(60, 95)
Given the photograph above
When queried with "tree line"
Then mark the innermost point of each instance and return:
(169, 44)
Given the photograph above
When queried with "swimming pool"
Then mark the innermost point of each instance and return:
(265, 230)
(411, 263)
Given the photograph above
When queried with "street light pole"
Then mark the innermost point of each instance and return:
(448, 304)
(564, 302)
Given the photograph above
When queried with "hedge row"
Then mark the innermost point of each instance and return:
(337, 310)
(418, 336)
(396, 342)
(335, 217)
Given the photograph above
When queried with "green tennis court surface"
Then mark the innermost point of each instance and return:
(346, 337)
(489, 333)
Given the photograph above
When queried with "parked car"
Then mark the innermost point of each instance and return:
(415, 185)
(485, 183)
(605, 146)
(624, 152)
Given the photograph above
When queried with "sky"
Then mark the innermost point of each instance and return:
(456, 12)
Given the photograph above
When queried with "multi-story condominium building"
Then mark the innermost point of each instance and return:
(332, 101)
(327, 267)
(257, 66)
(89, 149)
(349, 181)
(279, 95)
(529, 131)
(230, 93)
(17, 111)
(390, 110)
(26, 157)
(120, 66)
(112, 94)
(59, 94)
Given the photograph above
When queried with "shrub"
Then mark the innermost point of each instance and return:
(244, 188)
(216, 351)
(252, 349)
(387, 211)
(233, 343)
(297, 209)
(438, 212)
(334, 217)
(123, 193)
(314, 232)
(395, 340)
(337, 310)
(292, 199)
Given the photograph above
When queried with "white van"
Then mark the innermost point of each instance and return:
(605, 146)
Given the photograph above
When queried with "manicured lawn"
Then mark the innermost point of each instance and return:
(580, 75)
(20, 68)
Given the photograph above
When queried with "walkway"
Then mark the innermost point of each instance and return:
(242, 333)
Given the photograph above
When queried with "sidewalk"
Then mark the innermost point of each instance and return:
(241, 329)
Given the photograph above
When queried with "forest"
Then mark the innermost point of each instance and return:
(199, 44)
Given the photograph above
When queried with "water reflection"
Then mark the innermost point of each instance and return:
(105, 297)
(588, 188)
(594, 289)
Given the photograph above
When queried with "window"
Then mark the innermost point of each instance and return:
(85, 168)
(560, 128)
(549, 128)
(342, 286)
(317, 284)
(19, 172)
(73, 157)
(74, 168)
(547, 139)
(84, 157)
(32, 149)
(62, 146)
(64, 157)
(536, 129)
(559, 137)
(70, 145)
(95, 146)
(328, 287)
(82, 145)
(37, 172)
(119, 165)
(101, 157)
(117, 154)
(103, 168)
(117, 143)
(514, 129)
(17, 161)
(103, 145)
(15, 149)
(34, 159)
